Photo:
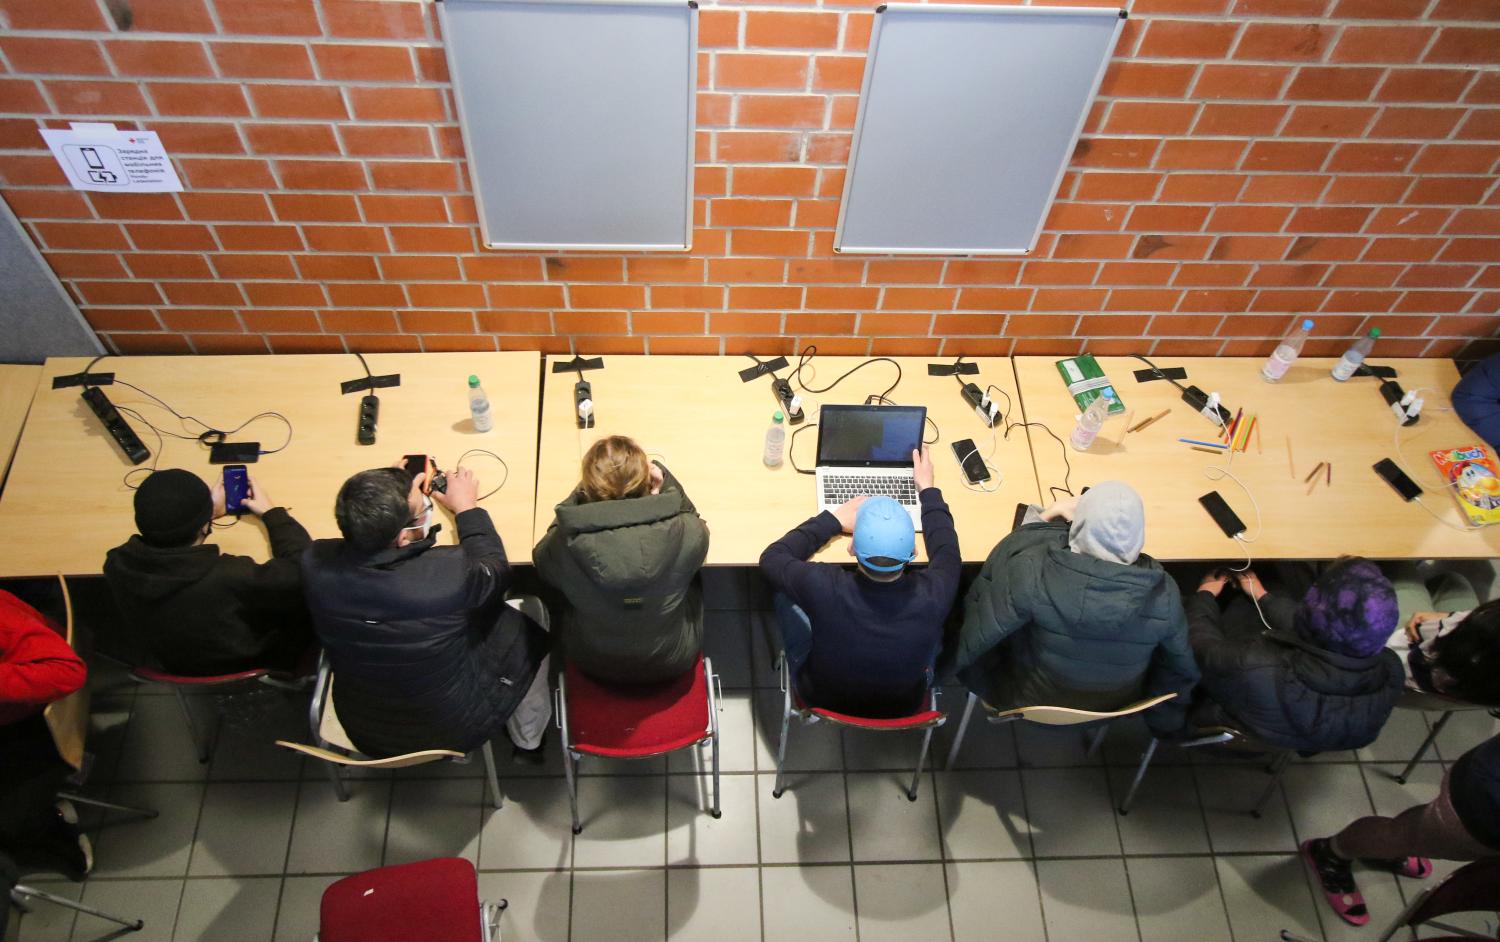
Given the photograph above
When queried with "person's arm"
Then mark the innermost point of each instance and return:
(944, 561)
(484, 554)
(669, 482)
(990, 611)
(1205, 621)
(1476, 399)
(1173, 670)
(785, 562)
(36, 664)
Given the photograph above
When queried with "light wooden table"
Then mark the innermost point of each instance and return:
(706, 425)
(67, 503)
(1309, 413)
(17, 385)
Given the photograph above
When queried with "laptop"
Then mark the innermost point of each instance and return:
(866, 450)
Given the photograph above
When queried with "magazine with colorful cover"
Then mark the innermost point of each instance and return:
(1474, 479)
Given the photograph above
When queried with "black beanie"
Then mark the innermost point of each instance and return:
(172, 506)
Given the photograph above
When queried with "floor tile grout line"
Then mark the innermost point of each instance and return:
(1208, 836)
(1036, 870)
(1109, 793)
(286, 860)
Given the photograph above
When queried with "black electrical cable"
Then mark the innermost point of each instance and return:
(1067, 487)
(368, 374)
(1158, 371)
(485, 451)
(811, 350)
(791, 444)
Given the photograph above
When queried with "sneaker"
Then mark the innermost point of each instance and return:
(67, 810)
(536, 756)
(1336, 878)
(87, 848)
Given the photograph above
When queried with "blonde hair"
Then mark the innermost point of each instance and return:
(614, 468)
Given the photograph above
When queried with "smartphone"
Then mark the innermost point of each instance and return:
(236, 487)
(1396, 478)
(1021, 509)
(1227, 519)
(970, 460)
(421, 464)
(234, 453)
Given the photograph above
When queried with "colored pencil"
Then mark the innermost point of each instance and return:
(1330, 474)
(1194, 441)
(1212, 451)
(1242, 434)
(1313, 473)
(1145, 422)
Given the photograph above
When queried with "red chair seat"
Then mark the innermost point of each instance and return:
(162, 677)
(913, 721)
(632, 722)
(432, 900)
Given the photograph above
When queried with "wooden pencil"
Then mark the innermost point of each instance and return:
(1211, 451)
(1330, 474)
(1147, 421)
(1289, 465)
(1313, 473)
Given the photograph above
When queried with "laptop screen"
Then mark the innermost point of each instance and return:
(869, 436)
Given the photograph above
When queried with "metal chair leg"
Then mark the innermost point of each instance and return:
(786, 725)
(916, 778)
(570, 769)
(339, 791)
(200, 741)
(717, 812)
(133, 925)
(1140, 773)
(1426, 744)
(492, 775)
(1280, 767)
(108, 805)
(1097, 740)
(963, 727)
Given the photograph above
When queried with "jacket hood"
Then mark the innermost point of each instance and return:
(624, 544)
(150, 572)
(1332, 674)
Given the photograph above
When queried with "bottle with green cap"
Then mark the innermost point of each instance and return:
(479, 406)
(1355, 355)
(775, 441)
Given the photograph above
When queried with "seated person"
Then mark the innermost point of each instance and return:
(863, 641)
(1067, 611)
(1476, 399)
(1448, 642)
(36, 831)
(624, 554)
(1461, 823)
(198, 611)
(426, 653)
(1319, 679)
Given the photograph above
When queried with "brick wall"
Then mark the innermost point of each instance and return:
(1247, 160)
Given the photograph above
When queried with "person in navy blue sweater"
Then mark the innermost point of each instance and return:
(1476, 399)
(862, 640)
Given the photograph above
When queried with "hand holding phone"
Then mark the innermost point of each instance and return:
(236, 488)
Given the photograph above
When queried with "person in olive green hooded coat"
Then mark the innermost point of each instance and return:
(624, 553)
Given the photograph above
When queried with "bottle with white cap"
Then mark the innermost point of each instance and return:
(479, 406)
(1286, 352)
(775, 441)
(1092, 421)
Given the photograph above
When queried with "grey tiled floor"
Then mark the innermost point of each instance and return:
(1020, 842)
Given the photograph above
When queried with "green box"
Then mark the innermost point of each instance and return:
(1087, 382)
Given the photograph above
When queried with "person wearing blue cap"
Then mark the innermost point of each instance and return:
(862, 641)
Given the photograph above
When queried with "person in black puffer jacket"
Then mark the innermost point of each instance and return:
(426, 653)
(1319, 679)
(623, 555)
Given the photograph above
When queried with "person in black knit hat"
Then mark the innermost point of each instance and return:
(198, 611)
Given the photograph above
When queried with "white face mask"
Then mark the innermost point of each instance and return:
(424, 522)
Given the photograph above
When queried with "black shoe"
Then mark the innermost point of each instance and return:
(1336, 879)
(535, 756)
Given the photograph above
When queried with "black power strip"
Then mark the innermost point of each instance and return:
(114, 423)
(369, 415)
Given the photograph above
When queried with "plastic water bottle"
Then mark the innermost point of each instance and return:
(775, 441)
(1355, 355)
(1286, 352)
(1092, 421)
(479, 406)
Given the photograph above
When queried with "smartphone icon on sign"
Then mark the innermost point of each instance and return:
(236, 487)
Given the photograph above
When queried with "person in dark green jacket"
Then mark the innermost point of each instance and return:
(623, 555)
(1067, 611)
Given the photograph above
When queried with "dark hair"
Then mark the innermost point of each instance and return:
(372, 508)
(1470, 656)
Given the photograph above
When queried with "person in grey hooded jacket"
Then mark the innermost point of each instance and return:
(1067, 611)
(624, 554)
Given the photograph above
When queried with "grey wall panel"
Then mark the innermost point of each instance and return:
(967, 119)
(37, 318)
(578, 119)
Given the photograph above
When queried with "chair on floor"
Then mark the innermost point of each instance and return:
(334, 749)
(1424, 701)
(1050, 716)
(792, 705)
(20, 894)
(1473, 888)
(217, 688)
(1228, 738)
(620, 721)
(432, 900)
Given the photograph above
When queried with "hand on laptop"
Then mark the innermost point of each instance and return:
(847, 512)
(921, 468)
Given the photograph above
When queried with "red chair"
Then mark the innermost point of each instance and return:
(792, 705)
(218, 687)
(620, 721)
(432, 900)
(1474, 888)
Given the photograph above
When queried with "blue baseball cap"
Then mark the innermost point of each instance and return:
(884, 538)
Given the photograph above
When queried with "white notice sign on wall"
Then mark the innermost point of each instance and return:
(99, 157)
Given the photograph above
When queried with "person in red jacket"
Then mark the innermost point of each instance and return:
(36, 667)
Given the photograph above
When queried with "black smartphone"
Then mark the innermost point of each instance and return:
(236, 487)
(1228, 521)
(234, 453)
(970, 460)
(1396, 478)
(421, 464)
(1020, 515)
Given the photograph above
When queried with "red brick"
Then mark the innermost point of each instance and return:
(1129, 79)
(838, 73)
(1434, 302)
(592, 297)
(447, 295)
(1418, 123)
(591, 322)
(1212, 274)
(1231, 218)
(1328, 219)
(104, 318)
(791, 30)
(1236, 120)
(156, 59)
(653, 269)
(351, 239)
(118, 292)
(393, 208)
(148, 344)
(1040, 325)
(1333, 83)
(135, 206)
(1451, 190)
(48, 204)
(1328, 121)
(253, 266)
(170, 16)
(291, 294)
(414, 175)
(1247, 82)
(1424, 85)
(1150, 117)
(760, 146)
(262, 60)
(718, 28)
(1066, 299)
(381, 140)
(171, 236)
(299, 207)
(1438, 276)
(760, 70)
(324, 267)
(356, 19)
(1485, 90)
(781, 111)
(291, 139)
(1381, 44)
(1284, 42)
(200, 99)
(503, 268)
(22, 96)
(53, 14)
(1187, 39)
(526, 296)
(1114, 152)
(269, 17)
(54, 56)
(321, 174)
(1363, 276)
(705, 297)
(1058, 273)
(259, 238)
(197, 137)
(918, 299)
(205, 320)
(1372, 157)
(1199, 187)
(95, 98)
(1185, 325)
(1199, 155)
(87, 265)
(1159, 218)
(1407, 221)
(782, 242)
(1314, 248)
(1091, 245)
(1466, 45)
(232, 207)
(398, 104)
(364, 63)
(1403, 250)
(203, 292)
(1367, 188)
(1159, 247)
(419, 267)
(1287, 155)
(1379, 9)
(1142, 299)
(1475, 222)
(297, 101)
(1481, 125)
(364, 296)
(752, 212)
(827, 271)
(828, 148)
(1252, 248)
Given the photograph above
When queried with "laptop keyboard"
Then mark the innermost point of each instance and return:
(839, 488)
